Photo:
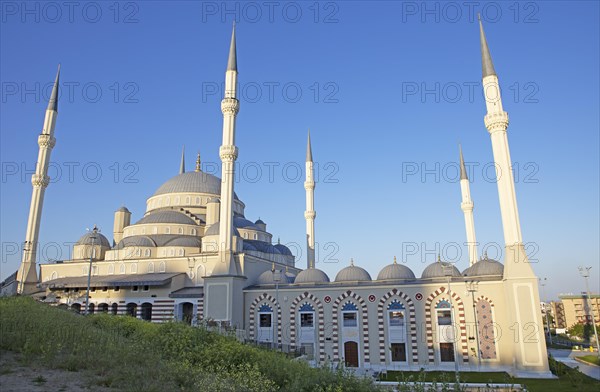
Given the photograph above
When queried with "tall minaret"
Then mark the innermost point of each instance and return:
(310, 213)
(520, 283)
(467, 207)
(27, 274)
(228, 153)
(182, 165)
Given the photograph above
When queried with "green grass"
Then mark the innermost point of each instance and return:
(127, 354)
(593, 359)
(569, 380)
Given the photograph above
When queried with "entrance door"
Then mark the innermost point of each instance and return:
(351, 354)
(187, 310)
(446, 352)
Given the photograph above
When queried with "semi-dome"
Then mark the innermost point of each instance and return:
(168, 216)
(191, 182)
(243, 223)
(437, 270)
(485, 267)
(395, 271)
(136, 241)
(353, 273)
(312, 275)
(214, 230)
(284, 250)
(99, 239)
(185, 240)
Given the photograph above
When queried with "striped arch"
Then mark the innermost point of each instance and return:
(365, 324)
(409, 304)
(483, 297)
(200, 311)
(458, 303)
(320, 321)
(268, 298)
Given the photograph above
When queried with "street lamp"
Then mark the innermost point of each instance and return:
(448, 269)
(276, 279)
(472, 287)
(585, 272)
(93, 236)
(543, 284)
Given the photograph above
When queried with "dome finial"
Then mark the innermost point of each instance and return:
(352, 262)
(182, 165)
(439, 259)
(198, 162)
(278, 240)
(395, 262)
(485, 256)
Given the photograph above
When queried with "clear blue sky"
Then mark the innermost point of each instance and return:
(388, 90)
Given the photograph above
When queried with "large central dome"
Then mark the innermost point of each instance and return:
(192, 182)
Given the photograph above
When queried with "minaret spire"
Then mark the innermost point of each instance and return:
(520, 283)
(182, 165)
(486, 58)
(310, 214)
(228, 153)
(467, 207)
(27, 275)
(232, 60)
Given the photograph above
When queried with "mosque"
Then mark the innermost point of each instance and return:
(194, 256)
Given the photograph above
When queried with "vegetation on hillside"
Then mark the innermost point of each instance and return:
(133, 355)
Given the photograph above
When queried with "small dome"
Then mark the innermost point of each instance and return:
(123, 209)
(135, 241)
(312, 275)
(485, 267)
(353, 273)
(248, 246)
(437, 270)
(395, 271)
(259, 222)
(284, 250)
(168, 216)
(100, 239)
(267, 277)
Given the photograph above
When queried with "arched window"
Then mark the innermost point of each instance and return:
(143, 230)
(162, 267)
(193, 231)
(151, 267)
(197, 200)
(114, 308)
(133, 268)
(54, 275)
(181, 252)
(167, 201)
(147, 253)
(111, 269)
(171, 252)
(155, 230)
(146, 311)
(138, 252)
(122, 269)
(177, 199)
(187, 201)
(167, 230)
(255, 236)
(307, 315)
(349, 315)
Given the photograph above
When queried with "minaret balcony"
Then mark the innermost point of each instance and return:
(40, 180)
(496, 121)
(45, 140)
(230, 106)
(228, 153)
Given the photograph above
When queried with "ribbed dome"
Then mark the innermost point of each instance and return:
(100, 239)
(243, 223)
(136, 240)
(312, 275)
(191, 182)
(267, 278)
(485, 267)
(436, 270)
(395, 271)
(353, 273)
(166, 217)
